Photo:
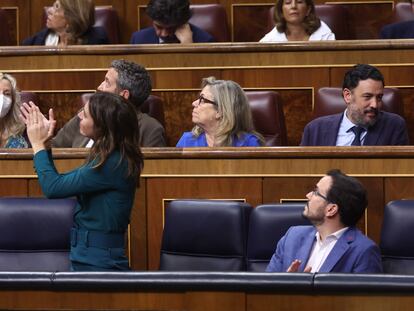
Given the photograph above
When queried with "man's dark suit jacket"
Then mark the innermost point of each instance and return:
(401, 30)
(389, 130)
(151, 133)
(95, 35)
(148, 36)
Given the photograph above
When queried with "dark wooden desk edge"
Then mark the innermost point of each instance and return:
(235, 152)
(209, 47)
(209, 281)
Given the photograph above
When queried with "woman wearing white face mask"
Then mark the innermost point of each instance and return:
(11, 127)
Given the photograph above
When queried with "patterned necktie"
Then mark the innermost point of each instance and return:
(358, 130)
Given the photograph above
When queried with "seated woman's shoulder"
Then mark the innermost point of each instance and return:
(322, 33)
(37, 39)
(274, 36)
(186, 140)
(16, 141)
(248, 140)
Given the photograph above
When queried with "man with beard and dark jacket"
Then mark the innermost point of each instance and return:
(363, 122)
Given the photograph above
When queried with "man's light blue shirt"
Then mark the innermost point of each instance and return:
(345, 134)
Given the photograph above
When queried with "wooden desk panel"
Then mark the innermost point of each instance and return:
(82, 300)
(334, 302)
(316, 54)
(13, 187)
(136, 298)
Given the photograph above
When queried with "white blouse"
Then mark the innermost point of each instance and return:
(322, 33)
(52, 39)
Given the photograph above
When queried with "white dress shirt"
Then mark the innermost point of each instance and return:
(321, 249)
(345, 134)
(52, 39)
(322, 33)
(90, 143)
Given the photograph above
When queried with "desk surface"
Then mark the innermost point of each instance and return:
(219, 54)
(260, 161)
(204, 291)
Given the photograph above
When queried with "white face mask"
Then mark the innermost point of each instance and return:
(5, 105)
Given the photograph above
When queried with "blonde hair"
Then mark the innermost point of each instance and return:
(11, 123)
(234, 109)
(80, 15)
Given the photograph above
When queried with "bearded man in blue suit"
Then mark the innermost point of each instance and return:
(363, 122)
(333, 243)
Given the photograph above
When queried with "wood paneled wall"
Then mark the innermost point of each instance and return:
(247, 18)
(202, 300)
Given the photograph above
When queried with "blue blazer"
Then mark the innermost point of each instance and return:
(94, 36)
(352, 253)
(389, 130)
(401, 30)
(148, 36)
(189, 140)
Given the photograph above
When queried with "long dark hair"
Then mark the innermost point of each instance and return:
(115, 128)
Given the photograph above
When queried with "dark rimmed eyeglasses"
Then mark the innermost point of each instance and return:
(202, 100)
(317, 193)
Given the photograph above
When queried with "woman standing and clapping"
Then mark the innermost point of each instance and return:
(104, 186)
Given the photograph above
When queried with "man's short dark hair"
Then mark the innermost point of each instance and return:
(169, 12)
(350, 196)
(134, 78)
(361, 72)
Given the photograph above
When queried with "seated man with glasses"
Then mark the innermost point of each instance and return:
(333, 243)
(222, 117)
